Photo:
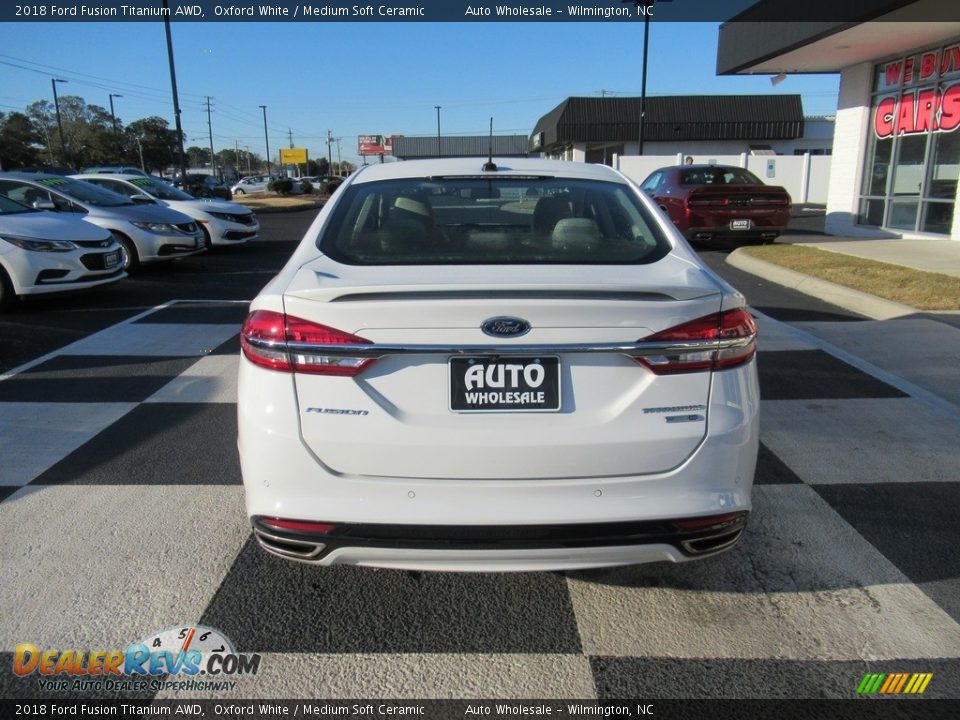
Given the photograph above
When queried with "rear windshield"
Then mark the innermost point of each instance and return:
(499, 221)
(719, 176)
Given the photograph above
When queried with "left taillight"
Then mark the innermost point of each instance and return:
(736, 325)
(266, 336)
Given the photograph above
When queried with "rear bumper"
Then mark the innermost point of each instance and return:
(525, 547)
(423, 517)
(754, 233)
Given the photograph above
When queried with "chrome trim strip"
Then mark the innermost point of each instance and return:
(371, 350)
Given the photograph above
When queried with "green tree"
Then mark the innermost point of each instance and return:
(157, 141)
(199, 156)
(20, 141)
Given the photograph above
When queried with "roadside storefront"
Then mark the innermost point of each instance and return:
(896, 148)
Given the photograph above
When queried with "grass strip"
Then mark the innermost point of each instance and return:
(916, 288)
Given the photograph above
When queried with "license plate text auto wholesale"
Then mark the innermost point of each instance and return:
(111, 259)
(740, 224)
(497, 384)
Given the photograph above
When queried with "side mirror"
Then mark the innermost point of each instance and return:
(44, 205)
(141, 199)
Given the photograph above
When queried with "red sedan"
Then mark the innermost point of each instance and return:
(710, 201)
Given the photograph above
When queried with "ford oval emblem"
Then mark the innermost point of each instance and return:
(505, 327)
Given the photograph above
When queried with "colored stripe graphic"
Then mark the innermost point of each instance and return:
(894, 683)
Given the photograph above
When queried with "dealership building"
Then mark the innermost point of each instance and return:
(896, 144)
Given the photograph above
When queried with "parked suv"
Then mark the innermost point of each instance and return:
(147, 233)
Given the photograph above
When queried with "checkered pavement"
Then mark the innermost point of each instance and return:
(121, 513)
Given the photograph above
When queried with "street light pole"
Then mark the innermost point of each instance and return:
(56, 105)
(643, 80)
(438, 129)
(265, 137)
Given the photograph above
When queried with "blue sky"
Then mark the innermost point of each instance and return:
(360, 78)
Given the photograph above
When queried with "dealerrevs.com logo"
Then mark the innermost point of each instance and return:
(186, 657)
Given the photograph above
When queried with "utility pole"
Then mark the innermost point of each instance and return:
(290, 133)
(249, 166)
(266, 138)
(438, 129)
(173, 88)
(56, 105)
(329, 151)
(213, 159)
(113, 117)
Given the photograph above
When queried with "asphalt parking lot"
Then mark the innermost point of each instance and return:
(121, 514)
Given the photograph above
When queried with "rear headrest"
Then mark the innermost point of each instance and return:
(415, 207)
(575, 234)
(547, 211)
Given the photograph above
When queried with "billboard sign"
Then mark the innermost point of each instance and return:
(293, 156)
(374, 145)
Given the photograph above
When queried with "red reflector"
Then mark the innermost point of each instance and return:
(298, 525)
(705, 522)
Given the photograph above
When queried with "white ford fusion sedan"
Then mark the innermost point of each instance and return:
(519, 365)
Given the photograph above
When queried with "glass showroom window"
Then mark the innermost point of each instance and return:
(913, 150)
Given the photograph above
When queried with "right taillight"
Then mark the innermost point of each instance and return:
(737, 325)
(266, 339)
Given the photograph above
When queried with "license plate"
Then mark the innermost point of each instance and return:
(111, 260)
(504, 384)
(740, 224)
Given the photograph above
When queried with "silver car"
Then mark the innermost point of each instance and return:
(222, 222)
(260, 184)
(147, 233)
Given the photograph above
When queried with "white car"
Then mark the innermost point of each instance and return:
(147, 233)
(43, 252)
(260, 184)
(511, 366)
(222, 222)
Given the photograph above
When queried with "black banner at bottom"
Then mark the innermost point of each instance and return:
(860, 709)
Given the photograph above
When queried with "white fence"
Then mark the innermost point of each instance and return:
(806, 177)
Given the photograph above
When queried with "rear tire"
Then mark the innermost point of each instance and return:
(239, 191)
(131, 260)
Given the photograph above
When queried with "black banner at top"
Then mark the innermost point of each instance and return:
(322, 11)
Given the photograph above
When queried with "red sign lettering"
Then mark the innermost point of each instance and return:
(927, 103)
(908, 70)
(950, 108)
(893, 72)
(928, 65)
(883, 117)
(918, 112)
(906, 115)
